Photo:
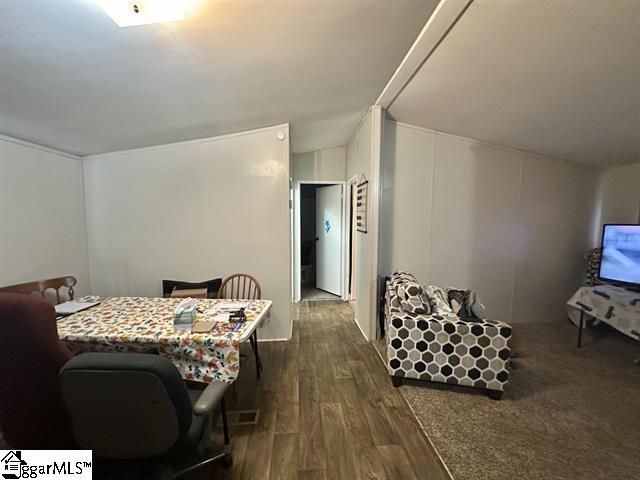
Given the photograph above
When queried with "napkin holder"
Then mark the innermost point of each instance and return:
(184, 314)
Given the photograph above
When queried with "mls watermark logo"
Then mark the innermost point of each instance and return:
(46, 464)
(11, 463)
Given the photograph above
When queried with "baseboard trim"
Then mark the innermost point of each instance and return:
(360, 328)
(273, 339)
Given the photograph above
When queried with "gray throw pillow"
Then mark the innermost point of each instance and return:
(476, 306)
(438, 300)
(465, 304)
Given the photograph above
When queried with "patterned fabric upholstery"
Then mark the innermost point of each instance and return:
(441, 347)
(413, 298)
(593, 265)
(439, 300)
(401, 277)
(465, 304)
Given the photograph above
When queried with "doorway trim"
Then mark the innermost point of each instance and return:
(351, 245)
(296, 267)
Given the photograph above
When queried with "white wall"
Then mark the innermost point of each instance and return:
(329, 164)
(407, 192)
(42, 216)
(512, 225)
(621, 195)
(363, 157)
(192, 211)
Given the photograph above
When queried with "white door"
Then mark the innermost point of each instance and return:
(328, 238)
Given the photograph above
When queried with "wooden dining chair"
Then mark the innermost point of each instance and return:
(41, 286)
(242, 286)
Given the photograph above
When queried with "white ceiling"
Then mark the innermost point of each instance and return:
(559, 78)
(70, 79)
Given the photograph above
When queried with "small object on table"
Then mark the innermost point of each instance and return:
(71, 307)
(223, 310)
(238, 316)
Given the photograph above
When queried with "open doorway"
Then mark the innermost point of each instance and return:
(320, 232)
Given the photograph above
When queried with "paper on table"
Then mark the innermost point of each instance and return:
(219, 317)
(220, 312)
(231, 305)
(202, 326)
(71, 307)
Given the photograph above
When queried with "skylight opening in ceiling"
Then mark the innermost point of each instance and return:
(128, 13)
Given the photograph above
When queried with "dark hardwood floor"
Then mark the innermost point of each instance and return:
(327, 409)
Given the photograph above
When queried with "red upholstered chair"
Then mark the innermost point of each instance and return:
(32, 415)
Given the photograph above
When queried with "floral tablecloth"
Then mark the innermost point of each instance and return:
(141, 324)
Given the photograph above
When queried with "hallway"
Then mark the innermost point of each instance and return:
(327, 409)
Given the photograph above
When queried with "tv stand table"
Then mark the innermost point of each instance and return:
(616, 306)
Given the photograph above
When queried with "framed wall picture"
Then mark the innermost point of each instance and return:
(362, 193)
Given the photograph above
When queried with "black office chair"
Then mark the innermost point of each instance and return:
(212, 286)
(136, 406)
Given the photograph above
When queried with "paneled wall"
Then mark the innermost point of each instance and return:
(329, 164)
(42, 216)
(193, 211)
(363, 158)
(514, 226)
(474, 227)
(621, 195)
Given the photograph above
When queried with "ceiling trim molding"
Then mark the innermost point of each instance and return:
(282, 126)
(24, 143)
(362, 120)
(442, 20)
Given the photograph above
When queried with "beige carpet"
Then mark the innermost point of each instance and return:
(566, 413)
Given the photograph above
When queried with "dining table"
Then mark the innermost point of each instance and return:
(146, 325)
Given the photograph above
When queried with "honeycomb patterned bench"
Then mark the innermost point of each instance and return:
(446, 349)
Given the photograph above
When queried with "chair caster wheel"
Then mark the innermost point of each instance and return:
(396, 381)
(227, 461)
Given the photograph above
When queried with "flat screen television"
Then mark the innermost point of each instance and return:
(620, 259)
